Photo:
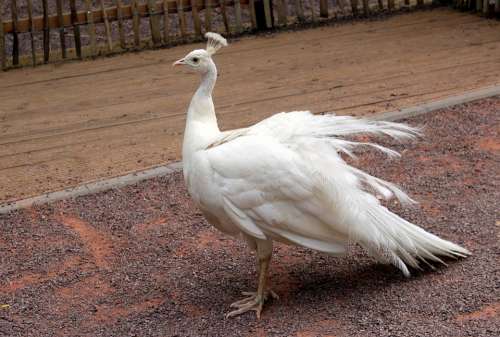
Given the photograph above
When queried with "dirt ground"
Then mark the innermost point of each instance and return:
(142, 261)
(62, 125)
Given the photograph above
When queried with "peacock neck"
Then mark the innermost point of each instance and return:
(208, 80)
(201, 125)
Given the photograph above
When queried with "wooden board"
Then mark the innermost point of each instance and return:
(15, 37)
(154, 22)
(62, 30)
(121, 28)
(3, 56)
(32, 37)
(74, 21)
(91, 28)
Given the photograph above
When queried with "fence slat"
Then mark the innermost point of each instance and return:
(299, 9)
(196, 18)
(283, 12)
(32, 29)
(267, 11)
(107, 27)
(91, 27)
(135, 24)
(208, 15)
(3, 61)
(313, 14)
(381, 4)
(46, 32)
(323, 8)
(182, 18)
(222, 4)
(497, 7)
(154, 23)
(76, 29)
(486, 7)
(166, 22)
(121, 32)
(354, 6)
(390, 5)
(62, 31)
(366, 9)
(253, 16)
(237, 14)
(15, 38)
(420, 3)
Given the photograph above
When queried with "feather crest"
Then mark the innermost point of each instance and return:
(215, 42)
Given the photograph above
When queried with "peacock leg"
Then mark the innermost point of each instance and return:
(255, 300)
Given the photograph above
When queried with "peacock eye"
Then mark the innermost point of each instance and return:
(195, 59)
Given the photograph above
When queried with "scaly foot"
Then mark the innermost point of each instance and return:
(253, 301)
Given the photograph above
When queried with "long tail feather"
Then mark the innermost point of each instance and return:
(401, 243)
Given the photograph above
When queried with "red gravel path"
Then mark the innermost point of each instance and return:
(141, 261)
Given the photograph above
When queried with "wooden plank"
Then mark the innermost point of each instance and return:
(32, 29)
(366, 8)
(390, 5)
(497, 7)
(299, 9)
(46, 32)
(323, 8)
(341, 5)
(313, 14)
(237, 14)
(107, 27)
(154, 23)
(208, 15)
(76, 28)
(282, 12)
(196, 18)
(121, 31)
(3, 57)
(354, 7)
(15, 37)
(267, 10)
(91, 28)
(182, 18)
(253, 16)
(486, 7)
(135, 24)
(222, 4)
(166, 22)
(420, 3)
(479, 5)
(62, 31)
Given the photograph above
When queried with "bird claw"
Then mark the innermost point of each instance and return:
(268, 293)
(253, 302)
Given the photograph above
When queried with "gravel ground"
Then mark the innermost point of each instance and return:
(142, 261)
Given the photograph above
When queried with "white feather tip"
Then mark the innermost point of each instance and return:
(215, 42)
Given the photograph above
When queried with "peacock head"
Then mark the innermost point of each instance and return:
(200, 60)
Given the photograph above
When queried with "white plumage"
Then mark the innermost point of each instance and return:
(283, 179)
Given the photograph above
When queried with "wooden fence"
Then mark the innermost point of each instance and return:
(39, 31)
(488, 8)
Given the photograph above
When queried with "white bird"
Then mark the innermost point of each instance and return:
(283, 179)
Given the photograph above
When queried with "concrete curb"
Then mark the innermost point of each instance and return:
(132, 178)
(436, 105)
(93, 187)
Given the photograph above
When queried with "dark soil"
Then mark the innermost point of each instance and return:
(142, 261)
